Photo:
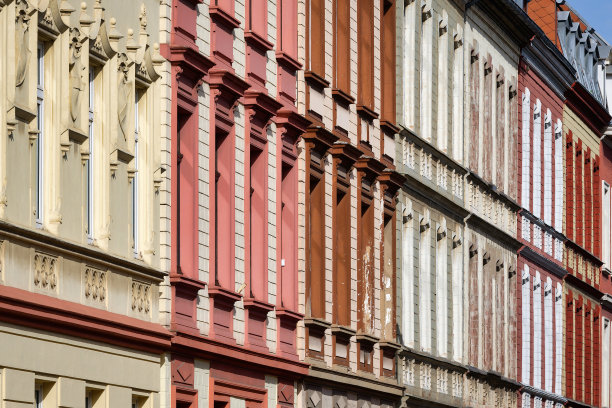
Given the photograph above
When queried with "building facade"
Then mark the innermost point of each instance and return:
(491, 244)
(79, 207)
(347, 190)
(431, 208)
(231, 145)
(540, 307)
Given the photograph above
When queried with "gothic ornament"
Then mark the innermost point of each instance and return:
(22, 41)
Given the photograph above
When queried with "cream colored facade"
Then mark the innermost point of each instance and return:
(80, 181)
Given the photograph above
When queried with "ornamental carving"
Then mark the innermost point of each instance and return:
(125, 91)
(442, 381)
(457, 385)
(141, 297)
(45, 271)
(76, 73)
(22, 46)
(409, 372)
(426, 377)
(95, 284)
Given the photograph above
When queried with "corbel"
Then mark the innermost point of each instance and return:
(473, 250)
(458, 38)
(499, 265)
(486, 258)
(456, 241)
(406, 214)
(488, 65)
(537, 285)
(511, 271)
(424, 224)
(440, 233)
(443, 25)
(474, 52)
(426, 10)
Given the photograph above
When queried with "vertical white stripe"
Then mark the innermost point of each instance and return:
(526, 149)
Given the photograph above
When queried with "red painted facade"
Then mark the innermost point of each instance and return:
(540, 267)
(236, 370)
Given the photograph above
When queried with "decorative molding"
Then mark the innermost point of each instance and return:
(141, 297)
(45, 271)
(95, 284)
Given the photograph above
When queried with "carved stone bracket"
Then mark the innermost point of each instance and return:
(141, 297)
(95, 284)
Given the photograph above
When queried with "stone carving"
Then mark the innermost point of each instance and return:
(22, 46)
(95, 284)
(45, 271)
(141, 297)
(125, 90)
(76, 73)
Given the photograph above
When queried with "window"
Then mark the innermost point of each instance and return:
(89, 399)
(558, 338)
(548, 178)
(365, 55)
(458, 96)
(559, 168)
(441, 288)
(442, 137)
(408, 276)
(605, 368)
(39, 145)
(90, 160)
(526, 326)
(548, 335)
(134, 212)
(537, 159)
(410, 21)
(457, 271)
(38, 396)
(537, 331)
(427, 36)
(605, 231)
(425, 281)
(526, 151)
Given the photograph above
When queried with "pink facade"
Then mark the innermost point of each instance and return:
(248, 162)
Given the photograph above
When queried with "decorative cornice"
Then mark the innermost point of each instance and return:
(509, 17)
(549, 64)
(87, 253)
(589, 109)
(545, 263)
(203, 347)
(541, 393)
(493, 230)
(351, 381)
(578, 283)
(47, 313)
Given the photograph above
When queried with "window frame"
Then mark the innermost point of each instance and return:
(40, 115)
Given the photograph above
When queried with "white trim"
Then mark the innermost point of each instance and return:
(548, 178)
(537, 331)
(537, 159)
(408, 275)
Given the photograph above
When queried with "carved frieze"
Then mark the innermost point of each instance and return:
(45, 271)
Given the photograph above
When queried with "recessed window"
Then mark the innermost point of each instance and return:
(38, 396)
(39, 144)
(91, 159)
(135, 180)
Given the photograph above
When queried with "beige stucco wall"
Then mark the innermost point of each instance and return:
(68, 368)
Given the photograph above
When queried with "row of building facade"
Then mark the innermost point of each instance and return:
(304, 203)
